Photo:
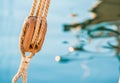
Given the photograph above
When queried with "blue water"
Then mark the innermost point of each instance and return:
(103, 68)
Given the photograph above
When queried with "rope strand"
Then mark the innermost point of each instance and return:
(38, 9)
(46, 9)
(44, 18)
(33, 7)
(37, 37)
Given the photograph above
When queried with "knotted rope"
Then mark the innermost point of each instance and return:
(32, 36)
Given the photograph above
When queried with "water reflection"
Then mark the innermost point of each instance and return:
(102, 34)
(86, 69)
(94, 33)
(71, 58)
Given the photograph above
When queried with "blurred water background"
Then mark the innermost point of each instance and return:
(97, 66)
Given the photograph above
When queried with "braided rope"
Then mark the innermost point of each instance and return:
(22, 38)
(38, 9)
(23, 69)
(42, 5)
(35, 36)
(33, 7)
(38, 36)
(46, 9)
(44, 18)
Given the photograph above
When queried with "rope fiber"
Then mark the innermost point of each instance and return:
(32, 36)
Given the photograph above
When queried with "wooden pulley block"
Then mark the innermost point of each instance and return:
(28, 32)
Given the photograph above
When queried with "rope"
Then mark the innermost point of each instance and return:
(35, 36)
(23, 69)
(36, 27)
(46, 9)
(33, 7)
(44, 18)
(38, 9)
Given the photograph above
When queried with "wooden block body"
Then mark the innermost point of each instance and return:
(28, 35)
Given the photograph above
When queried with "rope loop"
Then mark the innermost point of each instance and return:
(32, 36)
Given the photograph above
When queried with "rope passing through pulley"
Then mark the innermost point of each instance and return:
(32, 36)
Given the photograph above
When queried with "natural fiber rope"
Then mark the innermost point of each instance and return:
(35, 36)
(46, 10)
(44, 17)
(22, 69)
(33, 7)
(38, 9)
(21, 39)
(41, 15)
